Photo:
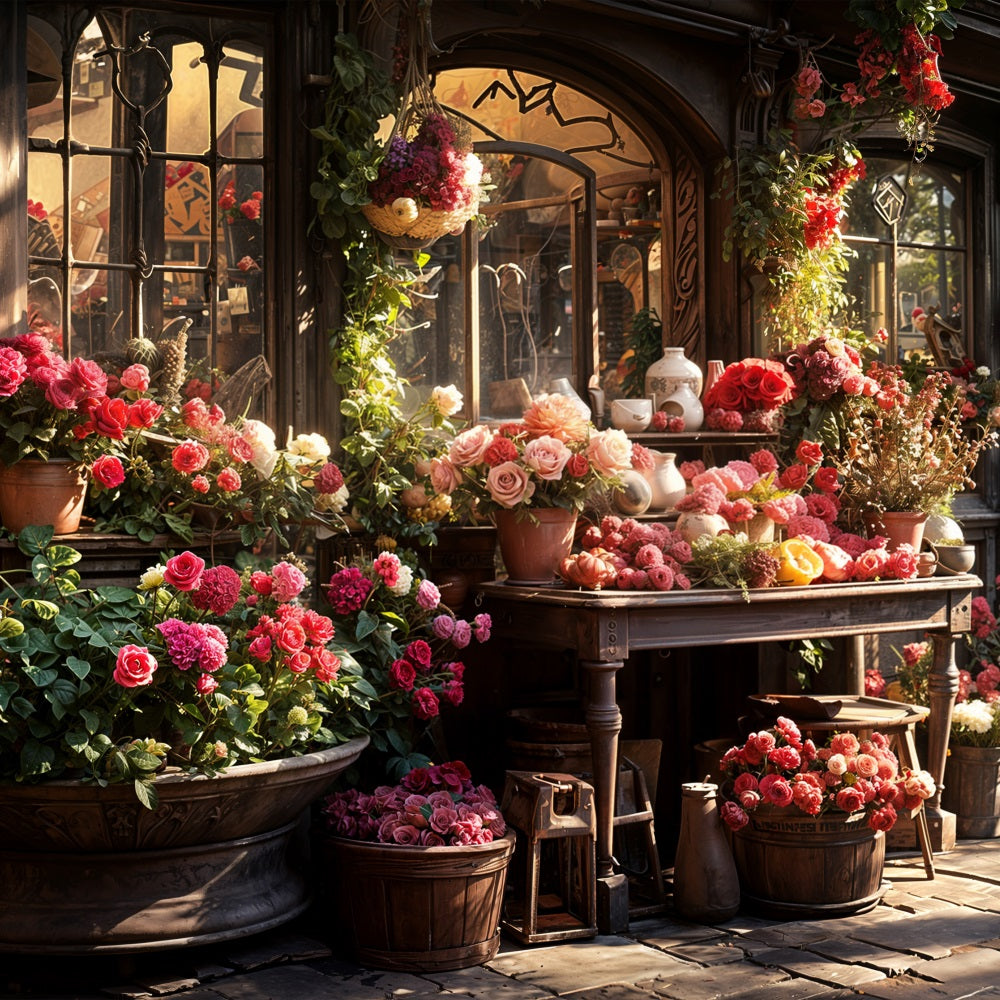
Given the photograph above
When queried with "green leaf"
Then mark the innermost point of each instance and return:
(36, 758)
(39, 677)
(146, 793)
(90, 719)
(45, 610)
(367, 623)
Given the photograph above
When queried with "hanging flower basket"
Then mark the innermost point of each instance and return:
(411, 227)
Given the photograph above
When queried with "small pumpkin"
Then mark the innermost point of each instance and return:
(590, 569)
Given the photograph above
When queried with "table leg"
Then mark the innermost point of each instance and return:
(856, 664)
(942, 685)
(604, 723)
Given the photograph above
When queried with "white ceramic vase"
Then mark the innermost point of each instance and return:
(684, 403)
(666, 481)
(666, 376)
(692, 525)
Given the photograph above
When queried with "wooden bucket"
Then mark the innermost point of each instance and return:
(419, 909)
(799, 866)
(972, 790)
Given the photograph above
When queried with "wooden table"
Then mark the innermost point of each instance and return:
(603, 628)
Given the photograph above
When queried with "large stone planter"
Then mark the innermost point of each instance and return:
(87, 869)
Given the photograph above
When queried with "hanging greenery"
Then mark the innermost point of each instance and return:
(381, 444)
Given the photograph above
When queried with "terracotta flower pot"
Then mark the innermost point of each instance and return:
(36, 492)
(532, 550)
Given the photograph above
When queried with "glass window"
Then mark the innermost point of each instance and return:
(152, 219)
(912, 281)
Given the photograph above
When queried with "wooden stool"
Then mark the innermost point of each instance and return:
(635, 841)
(824, 714)
(554, 811)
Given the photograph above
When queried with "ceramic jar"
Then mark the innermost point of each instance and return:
(692, 525)
(666, 376)
(684, 403)
(666, 481)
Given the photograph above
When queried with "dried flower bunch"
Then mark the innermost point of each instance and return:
(777, 767)
(436, 806)
(908, 449)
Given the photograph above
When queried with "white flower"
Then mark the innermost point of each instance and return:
(976, 716)
(405, 209)
(332, 502)
(261, 439)
(447, 400)
(983, 372)
(152, 578)
(313, 447)
(403, 583)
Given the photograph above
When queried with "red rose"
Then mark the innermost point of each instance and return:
(110, 417)
(425, 704)
(578, 465)
(794, 477)
(189, 456)
(775, 389)
(402, 675)
(184, 571)
(825, 479)
(63, 393)
(108, 471)
(726, 394)
(809, 452)
(13, 369)
(144, 412)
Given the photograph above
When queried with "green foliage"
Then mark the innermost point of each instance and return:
(66, 710)
(887, 17)
(811, 657)
(645, 339)
(382, 444)
(724, 561)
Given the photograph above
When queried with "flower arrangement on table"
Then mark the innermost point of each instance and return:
(434, 806)
(400, 644)
(777, 767)
(198, 667)
(907, 448)
(552, 457)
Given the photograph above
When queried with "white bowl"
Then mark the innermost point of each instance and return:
(631, 414)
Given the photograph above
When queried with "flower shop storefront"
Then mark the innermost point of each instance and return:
(667, 313)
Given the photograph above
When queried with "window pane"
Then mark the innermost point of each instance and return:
(188, 123)
(240, 104)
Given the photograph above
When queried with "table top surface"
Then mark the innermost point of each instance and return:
(564, 596)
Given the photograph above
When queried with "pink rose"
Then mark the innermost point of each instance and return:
(189, 456)
(509, 484)
(547, 457)
(136, 378)
(469, 447)
(425, 704)
(229, 480)
(610, 452)
(206, 684)
(870, 564)
(134, 666)
(444, 476)
(733, 816)
(184, 571)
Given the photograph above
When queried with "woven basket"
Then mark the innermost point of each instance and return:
(429, 225)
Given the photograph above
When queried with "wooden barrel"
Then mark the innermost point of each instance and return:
(794, 865)
(419, 909)
(972, 791)
(706, 756)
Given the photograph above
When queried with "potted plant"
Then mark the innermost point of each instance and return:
(787, 800)
(58, 417)
(534, 477)
(164, 740)
(907, 450)
(417, 870)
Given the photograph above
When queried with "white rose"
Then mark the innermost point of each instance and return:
(262, 441)
(313, 447)
(152, 578)
(447, 400)
(610, 452)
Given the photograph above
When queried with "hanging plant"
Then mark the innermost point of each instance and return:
(383, 446)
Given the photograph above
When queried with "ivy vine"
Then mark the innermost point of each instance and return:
(380, 446)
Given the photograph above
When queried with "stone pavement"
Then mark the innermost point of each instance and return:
(935, 939)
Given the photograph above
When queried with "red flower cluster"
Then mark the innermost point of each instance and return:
(917, 66)
(431, 807)
(428, 169)
(751, 384)
(777, 767)
(249, 209)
